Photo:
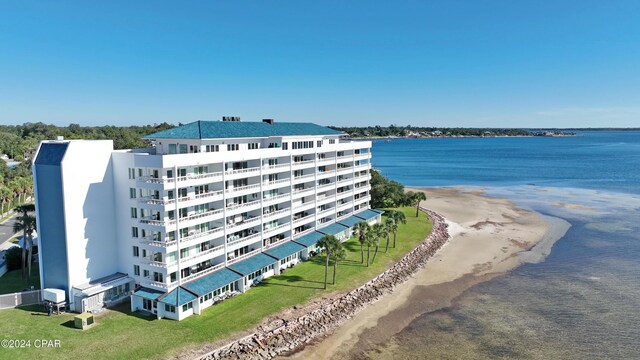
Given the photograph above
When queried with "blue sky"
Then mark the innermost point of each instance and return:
(431, 63)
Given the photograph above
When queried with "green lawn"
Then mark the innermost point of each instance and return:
(119, 334)
(12, 281)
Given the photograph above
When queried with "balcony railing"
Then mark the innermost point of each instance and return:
(304, 218)
(281, 196)
(279, 227)
(304, 232)
(241, 188)
(208, 194)
(274, 182)
(244, 205)
(245, 238)
(244, 256)
(243, 222)
(275, 213)
(151, 221)
(302, 177)
(154, 263)
(200, 234)
(202, 253)
(201, 215)
(153, 242)
(277, 166)
(156, 284)
(206, 271)
(304, 162)
(242, 171)
(276, 243)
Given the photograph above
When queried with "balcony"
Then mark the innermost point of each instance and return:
(276, 243)
(150, 240)
(201, 215)
(304, 218)
(155, 201)
(154, 180)
(304, 232)
(206, 271)
(274, 198)
(242, 257)
(242, 239)
(154, 263)
(276, 213)
(277, 166)
(151, 220)
(304, 177)
(279, 227)
(242, 171)
(155, 284)
(302, 163)
(345, 170)
(242, 188)
(326, 161)
(208, 194)
(306, 191)
(197, 235)
(247, 221)
(234, 206)
(202, 253)
(323, 186)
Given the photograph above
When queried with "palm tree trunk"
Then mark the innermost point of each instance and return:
(24, 256)
(374, 254)
(368, 254)
(335, 263)
(395, 233)
(388, 239)
(417, 208)
(361, 253)
(29, 255)
(326, 271)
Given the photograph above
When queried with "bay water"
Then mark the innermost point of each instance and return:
(583, 300)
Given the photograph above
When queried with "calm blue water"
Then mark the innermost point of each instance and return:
(593, 160)
(583, 301)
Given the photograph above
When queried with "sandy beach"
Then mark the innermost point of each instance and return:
(489, 237)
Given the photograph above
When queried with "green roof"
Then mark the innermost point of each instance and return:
(282, 251)
(211, 282)
(333, 229)
(178, 296)
(237, 129)
(369, 214)
(309, 239)
(252, 264)
(148, 294)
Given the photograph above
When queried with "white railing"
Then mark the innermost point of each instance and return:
(242, 171)
(243, 222)
(208, 194)
(246, 238)
(277, 166)
(202, 253)
(305, 162)
(308, 176)
(155, 263)
(204, 176)
(156, 284)
(239, 206)
(308, 217)
(151, 221)
(277, 212)
(203, 272)
(200, 234)
(276, 243)
(270, 230)
(159, 243)
(201, 215)
(243, 256)
(273, 182)
(305, 232)
(302, 191)
(154, 201)
(241, 188)
(281, 196)
(325, 185)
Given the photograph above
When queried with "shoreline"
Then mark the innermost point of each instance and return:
(284, 336)
(489, 237)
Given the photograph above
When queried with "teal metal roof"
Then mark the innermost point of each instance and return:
(333, 229)
(237, 129)
(369, 214)
(148, 294)
(211, 282)
(350, 221)
(309, 239)
(284, 250)
(178, 296)
(252, 264)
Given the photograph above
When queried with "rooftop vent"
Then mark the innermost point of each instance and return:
(268, 121)
(231, 118)
(60, 138)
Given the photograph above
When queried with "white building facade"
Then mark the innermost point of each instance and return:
(213, 208)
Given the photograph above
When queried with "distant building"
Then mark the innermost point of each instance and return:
(212, 208)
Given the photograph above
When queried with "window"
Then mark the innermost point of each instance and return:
(136, 251)
(134, 213)
(132, 193)
(132, 173)
(233, 147)
(254, 146)
(332, 141)
(187, 306)
(285, 146)
(319, 143)
(212, 148)
(158, 277)
(140, 172)
(136, 270)
(134, 232)
(145, 273)
(173, 276)
(173, 149)
(169, 308)
(184, 253)
(183, 149)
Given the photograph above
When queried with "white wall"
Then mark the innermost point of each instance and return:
(89, 210)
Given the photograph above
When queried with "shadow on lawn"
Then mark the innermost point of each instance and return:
(296, 278)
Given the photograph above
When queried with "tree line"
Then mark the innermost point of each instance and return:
(408, 130)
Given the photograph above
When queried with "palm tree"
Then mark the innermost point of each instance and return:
(369, 240)
(5, 197)
(27, 224)
(398, 218)
(390, 224)
(328, 242)
(379, 231)
(417, 197)
(360, 230)
(339, 253)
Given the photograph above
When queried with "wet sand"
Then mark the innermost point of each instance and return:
(489, 237)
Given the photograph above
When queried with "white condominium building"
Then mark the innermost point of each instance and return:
(210, 209)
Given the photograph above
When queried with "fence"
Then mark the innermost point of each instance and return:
(30, 297)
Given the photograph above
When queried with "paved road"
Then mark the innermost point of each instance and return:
(6, 231)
